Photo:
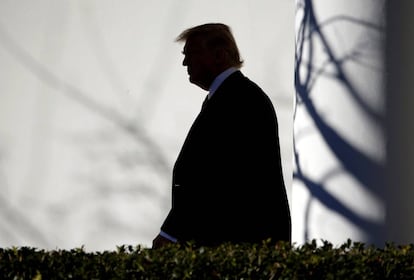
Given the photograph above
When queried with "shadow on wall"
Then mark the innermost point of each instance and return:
(366, 171)
(148, 156)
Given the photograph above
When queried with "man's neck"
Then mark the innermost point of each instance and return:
(220, 79)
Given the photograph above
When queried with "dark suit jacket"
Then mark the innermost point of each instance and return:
(227, 180)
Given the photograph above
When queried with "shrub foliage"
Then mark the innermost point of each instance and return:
(228, 261)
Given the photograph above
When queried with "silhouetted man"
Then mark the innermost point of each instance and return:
(227, 180)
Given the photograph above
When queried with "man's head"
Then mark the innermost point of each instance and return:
(209, 50)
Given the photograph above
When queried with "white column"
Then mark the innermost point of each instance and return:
(339, 135)
(400, 125)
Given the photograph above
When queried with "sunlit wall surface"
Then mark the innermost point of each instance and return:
(94, 107)
(339, 135)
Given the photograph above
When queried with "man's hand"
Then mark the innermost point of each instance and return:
(160, 241)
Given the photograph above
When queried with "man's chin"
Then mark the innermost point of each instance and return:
(193, 81)
(198, 83)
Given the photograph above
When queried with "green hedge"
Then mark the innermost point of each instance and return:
(228, 261)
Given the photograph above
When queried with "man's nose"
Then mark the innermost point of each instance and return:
(185, 61)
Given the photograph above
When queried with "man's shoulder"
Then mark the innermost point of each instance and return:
(252, 93)
(238, 92)
(238, 82)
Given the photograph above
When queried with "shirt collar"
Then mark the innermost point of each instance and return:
(219, 80)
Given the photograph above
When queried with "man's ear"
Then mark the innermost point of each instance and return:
(220, 56)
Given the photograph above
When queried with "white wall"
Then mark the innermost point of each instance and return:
(339, 127)
(94, 106)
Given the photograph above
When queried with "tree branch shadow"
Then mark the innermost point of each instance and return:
(353, 161)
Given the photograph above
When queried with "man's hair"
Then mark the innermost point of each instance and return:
(215, 35)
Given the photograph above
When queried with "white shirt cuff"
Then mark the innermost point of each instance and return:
(169, 237)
